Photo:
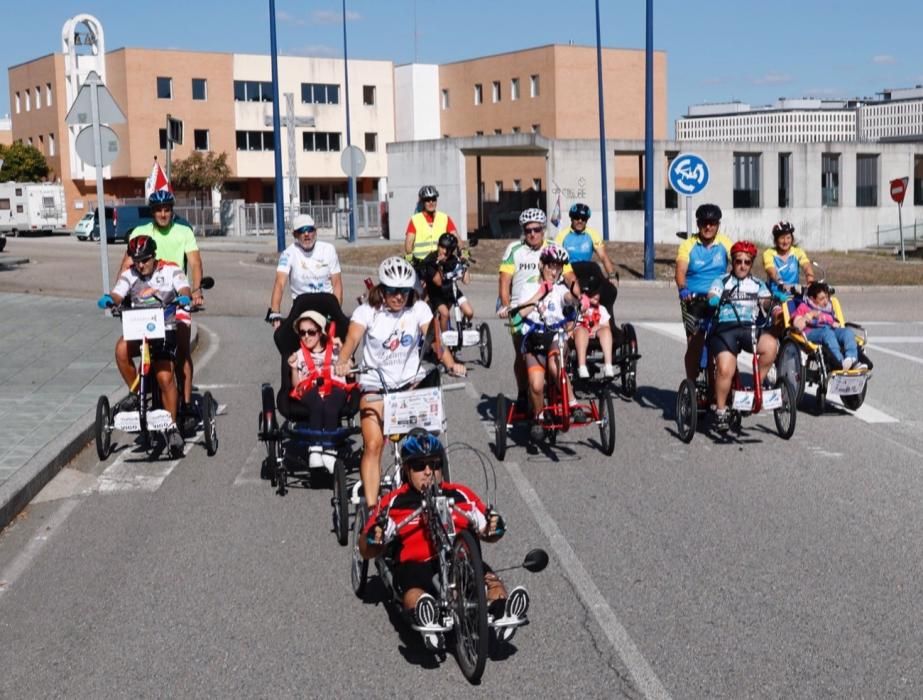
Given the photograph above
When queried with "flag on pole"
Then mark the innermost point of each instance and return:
(157, 181)
(556, 213)
(145, 358)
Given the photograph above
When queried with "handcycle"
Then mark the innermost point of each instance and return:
(597, 405)
(695, 397)
(461, 332)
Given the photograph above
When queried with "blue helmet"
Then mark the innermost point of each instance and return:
(580, 210)
(161, 197)
(422, 446)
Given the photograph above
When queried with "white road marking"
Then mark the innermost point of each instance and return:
(895, 353)
(898, 338)
(212, 387)
(141, 475)
(253, 459)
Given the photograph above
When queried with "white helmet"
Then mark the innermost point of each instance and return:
(396, 272)
(532, 215)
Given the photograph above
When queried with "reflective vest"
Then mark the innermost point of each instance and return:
(427, 235)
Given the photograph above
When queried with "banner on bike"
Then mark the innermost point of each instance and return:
(846, 384)
(419, 408)
(143, 323)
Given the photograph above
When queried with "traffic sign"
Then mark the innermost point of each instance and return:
(86, 149)
(81, 111)
(352, 161)
(899, 189)
(688, 174)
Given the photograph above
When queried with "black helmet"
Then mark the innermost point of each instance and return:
(449, 242)
(708, 212)
(142, 247)
(580, 210)
(422, 446)
(428, 192)
(782, 228)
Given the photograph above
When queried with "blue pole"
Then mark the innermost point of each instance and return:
(350, 180)
(602, 130)
(649, 145)
(276, 128)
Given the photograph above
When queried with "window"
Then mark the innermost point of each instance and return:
(536, 128)
(19, 209)
(517, 185)
(368, 94)
(785, 179)
(866, 179)
(537, 184)
(746, 180)
(830, 179)
(495, 91)
(255, 141)
(200, 139)
(19, 191)
(321, 141)
(497, 132)
(478, 93)
(498, 189)
(38, 97)
(918, 181)
(28, 100)
(4, 204)
(18, 104)
(164, 88)
(371, 142)
(162, 136)
(514, 89)
(48, 94)
(478, 133)
(41, 142)
(320, 94)
(533, 86)
(51, 147)
(445, 98)
(199, 89)
(252, 91)
(515, 129)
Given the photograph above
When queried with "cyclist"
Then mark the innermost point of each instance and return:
(553, 306)
(309, 265)
(176, 244)
(439, 268)
(784, 261)
(416, 563)
(518, 281)
(700, 259)
(740, 299)
(152, 282)
(426, 226)
(391, 326)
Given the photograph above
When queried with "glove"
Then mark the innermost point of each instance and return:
(584, 302)
(272, 316)
(105, 301)
(685, 294)
(183, 300)
(714, 301)
(780, 295)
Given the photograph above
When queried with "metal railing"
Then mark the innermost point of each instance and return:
(891, 235)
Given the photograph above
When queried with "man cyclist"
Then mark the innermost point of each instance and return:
(740, 300)
(700, 259)
(425, 227)
(438, 270)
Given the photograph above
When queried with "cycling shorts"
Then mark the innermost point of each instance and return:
(416, 574)
(161, 348)
(730, 337)
(437, 296)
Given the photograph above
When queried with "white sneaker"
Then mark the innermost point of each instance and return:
(772, 375)
(583, 372)
(860, 365)
(315, 457)
(608, 371)
(848, 363)
(329, 458)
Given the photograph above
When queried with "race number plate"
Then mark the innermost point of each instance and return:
(846, 384)
(450, 338)
(419, 408)
(743, 401)
(158, 420)
(142, 323)
(127, 421)
(470, 338)
(772, 399)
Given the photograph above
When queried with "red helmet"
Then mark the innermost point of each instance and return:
(744, 247)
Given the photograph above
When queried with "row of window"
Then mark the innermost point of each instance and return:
(311, 141)
(513, 130)
(39, 142)
(261, 91)
(25, 98)
(517, 186)
(496, 91)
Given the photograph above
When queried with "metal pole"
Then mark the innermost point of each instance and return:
(100, 194)
(603, 155)
(649, 145)
(276, 129)
(688, 217)
(900, 225)
(169, 148)
(351, 181)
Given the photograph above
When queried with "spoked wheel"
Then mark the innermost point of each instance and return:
(340, 503)
(359, 571)
(854, 401)
(469, 607)
(790, 367)
(820, 399)
(786, 415)
(687, 411)
(103, 428)
(500, 427)
(209, 424)
(606, 423)
(629, 367)
(485, 347)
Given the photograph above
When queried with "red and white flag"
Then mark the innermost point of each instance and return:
(157, 181)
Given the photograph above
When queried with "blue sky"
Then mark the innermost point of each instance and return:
(717, 50)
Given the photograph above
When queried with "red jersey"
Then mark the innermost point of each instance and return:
(413, 543)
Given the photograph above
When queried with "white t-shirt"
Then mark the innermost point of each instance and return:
(551, 306)
(309, 271)
(392, 343)
(160, 289)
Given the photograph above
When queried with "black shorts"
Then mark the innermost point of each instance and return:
(730, 337)
(416, 574)
(161, 348)
(437, 296)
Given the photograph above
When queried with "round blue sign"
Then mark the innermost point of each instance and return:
(688, 174)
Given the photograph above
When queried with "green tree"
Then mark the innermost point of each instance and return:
(201, 172)
(22, 163)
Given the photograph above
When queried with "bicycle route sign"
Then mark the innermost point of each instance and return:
(688, 174)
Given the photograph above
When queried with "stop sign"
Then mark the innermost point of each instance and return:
(899, 189)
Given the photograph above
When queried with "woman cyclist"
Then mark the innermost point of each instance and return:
(785, 261)
(391, 326)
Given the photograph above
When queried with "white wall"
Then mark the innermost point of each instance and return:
(416, 93)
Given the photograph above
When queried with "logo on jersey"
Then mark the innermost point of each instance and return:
(397, 339)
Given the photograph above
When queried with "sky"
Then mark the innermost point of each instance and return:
(717, 50)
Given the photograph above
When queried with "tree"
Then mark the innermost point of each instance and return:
(201, 172)
(22, 163)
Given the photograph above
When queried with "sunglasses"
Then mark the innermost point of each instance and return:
(306, 229)
(578, 218)
(742, 261)
(429, 199)
(395, 290)
(709, 223)
(534, 230)
(309, 332)
(421, 466)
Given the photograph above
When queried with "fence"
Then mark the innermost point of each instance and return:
(891, 235)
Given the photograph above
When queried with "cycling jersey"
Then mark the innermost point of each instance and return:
(704, 262)
(521, 261)
(741, 297)
(427, 230)
(551, 309)
(392, 343)
(579, 246)
(788, 267)
(161, 288)
(173, 243)
(309, 271)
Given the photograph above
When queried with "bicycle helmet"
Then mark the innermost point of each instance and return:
(708, 212)
(532, 216)
(449, 242)
(428, 192)
(422, 446)
(552, 253)
(396, 272)
(142, 248)
(580, 210)
(782, 228)
(161, 197)
(744, 247)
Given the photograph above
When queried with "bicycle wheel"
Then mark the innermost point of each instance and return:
(485, 347)
(787, 414)
(687, 412)
(500, 427)
(359, 571)
(820, 398)
(854, 401)
(209, 424)
(103, 428)
(629, 366)
(606, 422)
(340, 503)
(469, 606)
(789, 365)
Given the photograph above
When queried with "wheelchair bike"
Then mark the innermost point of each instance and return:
(694, 398)
(461, 332)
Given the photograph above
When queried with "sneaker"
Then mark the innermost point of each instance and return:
(860, 365)
(583, 372)
(130, 402)
(517, 605)
(722, 421)
(424, 612)
(537, 432)
(175, 442)
(608, 371)
(847, 364)
(772, 376)
(577, 415)
(315, 457)
(189, 417)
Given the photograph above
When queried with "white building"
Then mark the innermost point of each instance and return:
(898, 115)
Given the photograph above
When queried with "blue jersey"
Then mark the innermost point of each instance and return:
(704, 263)
(740, 298)
(579, 246)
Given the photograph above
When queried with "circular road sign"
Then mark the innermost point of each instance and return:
(352, 161)
(688, 174)
(85, 148)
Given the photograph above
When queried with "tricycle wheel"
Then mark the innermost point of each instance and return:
(500, 427)
(340, 503)
(820, 399)
(687, 413)
(209, 424)
(787, 414)
(469, 606)
(606, 422)
(485, 346)
(854, 401)
(103, 428)
(629, 366)
(359, 570)
(789, 366)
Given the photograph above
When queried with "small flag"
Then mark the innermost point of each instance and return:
(556, 214)
(157, 181)
(145, 358)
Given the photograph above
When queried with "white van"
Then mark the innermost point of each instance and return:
(32, 207)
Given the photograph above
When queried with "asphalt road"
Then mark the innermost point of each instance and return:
(757, 567)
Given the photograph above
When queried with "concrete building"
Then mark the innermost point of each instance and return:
(6, 131)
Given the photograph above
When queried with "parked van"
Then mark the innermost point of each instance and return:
(32, 207)
(122, 219)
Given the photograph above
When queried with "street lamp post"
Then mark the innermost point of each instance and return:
(276, 128)
(602, 130)
(350, 180)
(649, 145)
